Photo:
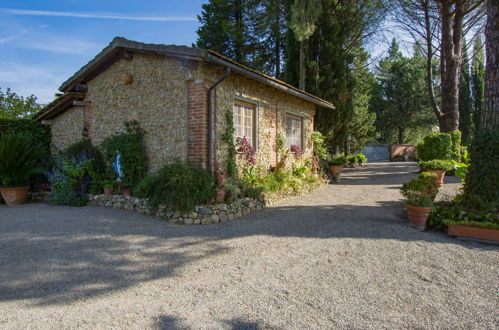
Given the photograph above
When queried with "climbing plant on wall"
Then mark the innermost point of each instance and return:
(228, 138)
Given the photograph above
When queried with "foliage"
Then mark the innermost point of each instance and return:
(402, 107)
(228, 138)
(19, 158)
(281, 144)
(461, 170)
(440, 146)
(13, 106)
(361, 158)
(232, 191)
(246, 151)
(70, 180)
(38, 132)
(352, 159)
(129, 145)
(178, 186)
(420, 191)
(337, 161)
(481, 190)
(452, 213)
(320, 151)
(436, 164)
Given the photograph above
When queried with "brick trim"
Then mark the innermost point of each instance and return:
(197, 122)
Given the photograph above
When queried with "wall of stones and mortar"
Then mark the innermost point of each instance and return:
(267, 100)
(67, 128)
(204, 215)
(156, 99)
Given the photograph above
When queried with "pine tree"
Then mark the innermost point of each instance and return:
(478, 84)
(465, 101)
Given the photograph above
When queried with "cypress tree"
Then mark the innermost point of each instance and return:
(478, 84)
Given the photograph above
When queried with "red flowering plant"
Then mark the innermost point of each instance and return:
(246, 151)
(297, 150)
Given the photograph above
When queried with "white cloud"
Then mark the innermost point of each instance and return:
(96, 15)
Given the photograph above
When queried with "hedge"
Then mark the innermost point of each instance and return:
(39, 132)
(440, 146)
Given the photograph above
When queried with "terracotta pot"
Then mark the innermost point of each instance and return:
(15, 195)
(220, 195)
(418, 216)
(127, 191)
(474, 232)
(108, 191)
(335, 172)
(440, 177)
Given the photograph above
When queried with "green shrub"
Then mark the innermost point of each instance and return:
(337, 161)
(19, 159)
(436, 164)
(352, 159)
(85, 147)
(452, 213)
(129, 145)
(320, 150)
(420, 191)
(178, 186)
(481, 190)
(440, 146)
(70, 180)
(361, 159)
(40, 133)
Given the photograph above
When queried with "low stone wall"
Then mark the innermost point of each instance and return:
(204, 215)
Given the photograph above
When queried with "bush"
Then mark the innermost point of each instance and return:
(39, 133)
(129, 145)
(436, 164)
(452, 213)
(352, 159)
(440, 146)
(361, 159)
(481, 190)
(70, 180)
(19, 159)
(85, 147)
(178, 186)
(420, 191)
(337, 161)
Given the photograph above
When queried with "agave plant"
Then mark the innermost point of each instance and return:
(19, 157)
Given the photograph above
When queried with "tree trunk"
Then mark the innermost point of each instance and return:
(301, 82)
(491, 113)
(450, 63)
(401, 135)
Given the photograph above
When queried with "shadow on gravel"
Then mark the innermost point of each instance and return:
(56, 255)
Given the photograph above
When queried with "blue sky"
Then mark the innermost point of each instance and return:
(42, 43)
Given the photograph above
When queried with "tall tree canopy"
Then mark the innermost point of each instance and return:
(441, 25)
(478, 84)
(465, 101)
(14, 106)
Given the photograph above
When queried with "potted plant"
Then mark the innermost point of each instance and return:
(437, 166)
(361, 160)
(419, 193)
(108, 187)
(19, 158)
(352, 161)
(335, 165)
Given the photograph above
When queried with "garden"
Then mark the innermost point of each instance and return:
(473, 213)
(115, 174)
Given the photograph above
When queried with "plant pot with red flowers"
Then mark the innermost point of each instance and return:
(438, 167)
(419, 193)
(335, 166)
(19, 158)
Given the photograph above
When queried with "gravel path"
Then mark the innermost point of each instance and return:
(336, 258)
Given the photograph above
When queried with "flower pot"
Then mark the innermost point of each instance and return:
(335, 172)
(108, 191)
(418, 216)
(127, 191)
(473, 232)
(15, 195)
(440, 177)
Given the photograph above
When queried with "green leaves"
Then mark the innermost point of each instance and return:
(13, 106)
(19, 157)
(421, 190)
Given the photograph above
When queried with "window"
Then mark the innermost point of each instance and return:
(294, 131)
(244, 121)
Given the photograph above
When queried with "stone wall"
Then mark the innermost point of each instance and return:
(203, 215)
(67, 128)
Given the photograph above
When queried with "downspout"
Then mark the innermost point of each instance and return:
(211, 130)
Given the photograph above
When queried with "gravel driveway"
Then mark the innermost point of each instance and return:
(338, 257)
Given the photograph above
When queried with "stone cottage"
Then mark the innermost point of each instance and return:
(180, 96)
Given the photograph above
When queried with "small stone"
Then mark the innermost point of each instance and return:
(193, 215)
(197, 221)
(224, 218)
(215, 218)
(204, 211)
(188, 221)
(224, 207)
(117, 205)
(231, 217)
(205, 221)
